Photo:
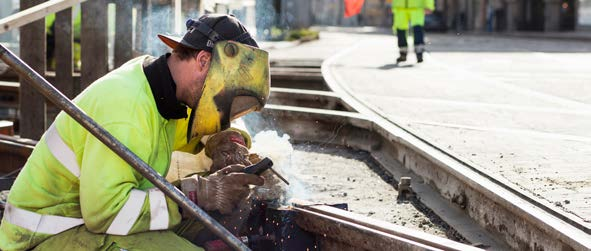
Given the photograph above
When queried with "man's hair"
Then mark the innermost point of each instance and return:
(184, 52)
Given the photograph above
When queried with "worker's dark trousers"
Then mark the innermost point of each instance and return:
(419, 39)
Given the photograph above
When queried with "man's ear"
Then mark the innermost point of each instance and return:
(204, 58)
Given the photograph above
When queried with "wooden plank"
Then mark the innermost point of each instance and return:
(32, 51)
(146, 22)
(123, 32)
(35, 12)
(178, 24)
(64, 81)
(9, 86)
(93, 40)
(64, 64)
(139, 27)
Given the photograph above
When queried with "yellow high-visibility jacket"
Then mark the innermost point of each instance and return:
(413, 4)
(410, 11)
(77, 23)
(71, 178)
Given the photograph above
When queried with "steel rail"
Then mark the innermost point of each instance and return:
(360, 221)
(62, 102)
(319, 217)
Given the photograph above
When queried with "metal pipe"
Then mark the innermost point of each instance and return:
(61, 101)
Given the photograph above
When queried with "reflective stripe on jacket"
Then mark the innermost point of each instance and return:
(411, 4)
(71, 178)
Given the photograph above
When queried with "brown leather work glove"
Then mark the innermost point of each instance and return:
(226, 148)
(222, 190)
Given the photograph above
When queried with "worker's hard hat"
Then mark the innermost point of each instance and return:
(238, 80)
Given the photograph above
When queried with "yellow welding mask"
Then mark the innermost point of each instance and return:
(237, 83)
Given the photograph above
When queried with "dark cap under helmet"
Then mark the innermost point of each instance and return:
(204, 32)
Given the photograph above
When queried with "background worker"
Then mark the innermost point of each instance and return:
(50, 36)
(74, 193)
(413, 12)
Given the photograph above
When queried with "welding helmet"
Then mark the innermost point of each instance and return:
(238, 78)
(237, 83)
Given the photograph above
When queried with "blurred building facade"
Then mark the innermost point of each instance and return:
(456, 15)
(512, 15)
(8, 7)
(460, 15)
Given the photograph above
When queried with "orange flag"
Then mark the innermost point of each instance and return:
(353, 7)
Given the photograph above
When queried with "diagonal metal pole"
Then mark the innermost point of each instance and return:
(61, 101)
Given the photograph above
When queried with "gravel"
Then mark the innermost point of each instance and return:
(335, 174)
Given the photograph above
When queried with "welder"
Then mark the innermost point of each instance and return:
(74, 193)
(413, 12)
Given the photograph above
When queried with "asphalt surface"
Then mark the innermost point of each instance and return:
(517, 109)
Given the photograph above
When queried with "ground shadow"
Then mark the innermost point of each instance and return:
(393, 66)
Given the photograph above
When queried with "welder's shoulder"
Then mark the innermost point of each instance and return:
(124, 80)
(124, 88)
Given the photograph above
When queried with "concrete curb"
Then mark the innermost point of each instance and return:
(273, 45)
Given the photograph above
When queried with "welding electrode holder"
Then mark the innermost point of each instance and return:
(262, 166)
(259, 167)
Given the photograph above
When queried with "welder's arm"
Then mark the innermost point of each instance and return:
(183, 164)
(110, 198)
(225, 148)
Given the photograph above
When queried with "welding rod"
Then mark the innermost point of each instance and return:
(279, 175)
(261, 166)
(62, 102)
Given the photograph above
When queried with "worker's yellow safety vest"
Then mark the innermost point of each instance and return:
(71, 178)
(76, 23)
(413, 4)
